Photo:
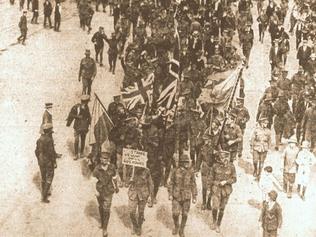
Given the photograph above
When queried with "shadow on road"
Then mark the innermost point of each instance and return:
(37, 180)
(163, 215)
(70, 147)
(246, 166)
(92, 211)
(254, 203)
(123, 214)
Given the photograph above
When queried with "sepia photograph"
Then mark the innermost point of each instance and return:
(158, 118)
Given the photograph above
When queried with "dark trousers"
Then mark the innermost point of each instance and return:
(23, 35)
(49, 21)
(82, 137)
(28, 4)
(86, 86)
(99, 51)
(47, 175)
(35, 17)
(112, 62)
(57, 21)
(21, 4)
(262, 29)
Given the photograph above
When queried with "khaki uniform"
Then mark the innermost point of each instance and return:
(87, 71)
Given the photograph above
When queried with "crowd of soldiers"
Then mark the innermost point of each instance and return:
(193, 138)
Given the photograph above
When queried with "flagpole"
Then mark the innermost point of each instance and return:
(106, 112)
(229, 105)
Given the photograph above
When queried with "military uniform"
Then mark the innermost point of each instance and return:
(81, 116)
(281, 107)
(223, 175)
(246, 43)
(46, 157)
(87, 73)
(151, 142)
(259, 145)
(112, 52)
(309, 125)
(197, 128)
(98, 40)
(140, 189)
(181, 189)
(232, 133)
(105, 186)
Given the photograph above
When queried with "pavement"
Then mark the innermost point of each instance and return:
(46, 70)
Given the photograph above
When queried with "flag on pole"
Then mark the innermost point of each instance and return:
(140, 92)
(101, 125)
(221, 94)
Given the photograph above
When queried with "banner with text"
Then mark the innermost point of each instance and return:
(134, 157)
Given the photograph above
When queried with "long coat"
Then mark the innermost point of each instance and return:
(81, 117)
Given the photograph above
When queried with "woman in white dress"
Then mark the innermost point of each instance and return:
(305, 160)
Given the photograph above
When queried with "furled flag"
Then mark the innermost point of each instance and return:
(101, 125)
(139, 93)
(221, 94)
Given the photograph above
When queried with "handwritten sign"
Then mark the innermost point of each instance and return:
(134, 157)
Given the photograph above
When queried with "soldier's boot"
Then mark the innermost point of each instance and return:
(299, 189)
(259, 170)
(183, 223)
(134, 222)
(219, 220)
(106, 217)
(101, 216)
(140, 223)
(175, 230)
(45, 193)
(303, 193)
(204, 191)
(214, 215)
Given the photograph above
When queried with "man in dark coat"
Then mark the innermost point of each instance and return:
(81, 116)
(48, 9)
(57, 16)
(35, 12)
(303, 54)
(309, 125)
(112, 51)
(247, 42)
(98, 40)
(275, 55)
(46, 157)
(87, 72)
(23, 28)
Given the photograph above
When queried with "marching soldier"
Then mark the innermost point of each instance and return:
(222, 176)
(23, 28)
(247, 42)
(140, 191)
(266, 110)
(281, 107)
(81, 116)
(112, 52)
(46, 157)
(87, 72)
(231, 137)
(206, 159)
(241, 120)
(181, 189)
(259, 145)
(150, 141)
(106, 186)
(197, 128)
(309, 125)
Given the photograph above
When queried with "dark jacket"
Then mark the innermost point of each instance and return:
(81, 116)
(48, 8)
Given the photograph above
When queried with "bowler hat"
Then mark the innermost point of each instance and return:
(87, 52)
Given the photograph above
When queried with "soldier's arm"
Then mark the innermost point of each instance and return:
(233, 177)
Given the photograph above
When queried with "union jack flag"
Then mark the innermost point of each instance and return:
(139, 93)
